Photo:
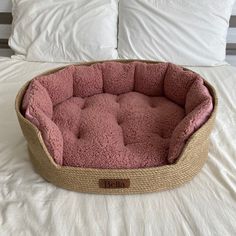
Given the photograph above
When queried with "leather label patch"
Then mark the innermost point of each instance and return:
(114, 183)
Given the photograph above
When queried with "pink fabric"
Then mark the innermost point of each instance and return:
(37, 96)
(177, 83)
(50, 132)
(116, 115)
(109, 131)
(88, 80)
(118, 78)
(196, 95)
(187, 127)
(59, 84)
(149, 78)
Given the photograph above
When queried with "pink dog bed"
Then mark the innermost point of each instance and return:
(117, 115)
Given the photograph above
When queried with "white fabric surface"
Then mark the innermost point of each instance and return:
(31, 206)
(64, 31)
(180, 31)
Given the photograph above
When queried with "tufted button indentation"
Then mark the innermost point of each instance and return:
(79, 134)
(83, 107)
(152, 106)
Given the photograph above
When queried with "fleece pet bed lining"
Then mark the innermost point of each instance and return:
(123, 108)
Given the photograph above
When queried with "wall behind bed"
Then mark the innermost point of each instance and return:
(6, 19)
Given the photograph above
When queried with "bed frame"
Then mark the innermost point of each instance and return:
(6, 19)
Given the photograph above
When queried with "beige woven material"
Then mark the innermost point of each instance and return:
(141, 180)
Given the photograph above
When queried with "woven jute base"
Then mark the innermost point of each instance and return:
(118, 181)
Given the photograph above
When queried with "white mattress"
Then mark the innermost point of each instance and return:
(31, 206)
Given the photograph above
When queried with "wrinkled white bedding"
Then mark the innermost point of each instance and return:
(31, 206)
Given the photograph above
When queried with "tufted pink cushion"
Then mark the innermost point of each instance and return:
(37, 96)
(118, 77)
(88, 81)
(177, 83)
(59, 85)
(149, 78)
(117, 115)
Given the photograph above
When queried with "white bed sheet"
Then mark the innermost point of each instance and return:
(31, 206)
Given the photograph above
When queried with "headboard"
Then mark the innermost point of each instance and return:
(5, 27)
(231, 39)
(6, 19)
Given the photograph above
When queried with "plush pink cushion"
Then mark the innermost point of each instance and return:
(118, 115)
(59, 84)
(118, 78)
(37, 96)
(149, 78)
(50, 132)
(177, 83)
(88, 81)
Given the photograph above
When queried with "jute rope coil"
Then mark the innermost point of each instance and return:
(118, 181)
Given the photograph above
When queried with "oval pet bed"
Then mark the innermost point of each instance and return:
(117, 127)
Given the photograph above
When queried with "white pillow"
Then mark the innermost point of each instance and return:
(65, 31)
(186, 32)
